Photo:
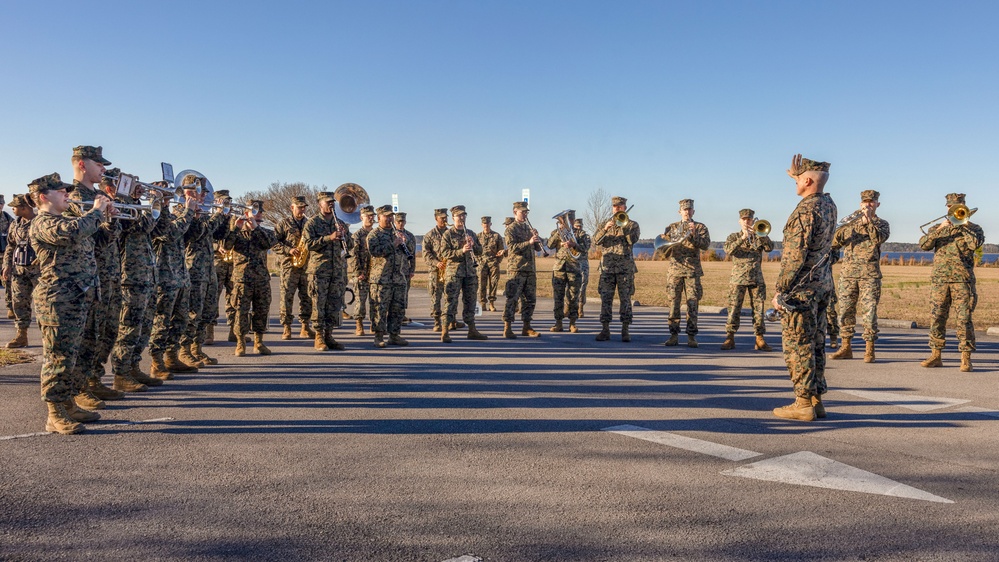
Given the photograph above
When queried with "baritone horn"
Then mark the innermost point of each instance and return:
(563, 222)
(958, 215)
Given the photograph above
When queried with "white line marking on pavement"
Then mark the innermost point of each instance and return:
(123, 422)
(464, 558)
(910, 401)
(809, 469)
(682, 442)
(980, 411)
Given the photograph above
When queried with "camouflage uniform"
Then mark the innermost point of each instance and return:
(210, 310)
(199, 259)
(683, 274)
(460, 275)
(953, 278)
(747, 277)
(6, 220)
(138, 282)
(807, 243)
(327, 271)
(860, 274)
(617, 268)
(489, 266)
(169, 315)
(389, 268)
(223, 272)
(19, 260)
(566, 274)
(64, 295)
(431, 241)
(584, 265)
(522, 284)
(832, 318)
(250, 277)
(360, 265)
(293, 279)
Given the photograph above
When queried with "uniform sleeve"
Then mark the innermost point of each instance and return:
(795, 246)
(67, 232)
(732, 243)
(700, 237)
(313, 241)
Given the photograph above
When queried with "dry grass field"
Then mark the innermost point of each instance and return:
(905, 288)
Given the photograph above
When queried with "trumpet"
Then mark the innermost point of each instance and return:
(224, 208)
(761, 227)
(958, 215)
(853, 217)
(621, 219)
(129, 183)
(133, 212)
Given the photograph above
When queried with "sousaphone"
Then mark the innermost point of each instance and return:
(348, 200)
(183, 175)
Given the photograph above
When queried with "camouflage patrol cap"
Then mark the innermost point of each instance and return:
(747, 213)
(458, 210)
(508, 221)
(440, 213)
(520, 206)
(385, 210)
(955, 199)
(222, 194)
(619, 201)
(578, 223)
(95, 153)
(813, 165)
(296, 201)
(487, 220)
(368, 210)
(686, 203)
(19, 200)
(51, 182)
(324, 196)
(400, 216)
(869, 195)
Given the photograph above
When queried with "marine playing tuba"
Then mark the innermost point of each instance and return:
(563, 222)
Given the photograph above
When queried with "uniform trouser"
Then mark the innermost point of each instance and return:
(566, 285)
(327, 300)
(489, 276)
(21, 288)
(253, 301)
(803, 333)
(624, 284)
(9, 296)
(295, 279)
(388, 303)
(127, 348)
(210, 312)
(60, 379)
(676, 288)
(757, 302)
(584, 275)
(522, 286)
(859, 295)
(86, 357)
(362, 294)
(169, 320)
(436, 290)
(110, 307)
(964, 298)
(832, 317)
(224, 272)
(195, 310)
(463, 289)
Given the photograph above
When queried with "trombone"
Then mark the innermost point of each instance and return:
(958, 215)
(621, 219)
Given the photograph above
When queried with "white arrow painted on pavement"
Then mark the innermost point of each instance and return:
(910, 401)
(683, 442)
(808, 469)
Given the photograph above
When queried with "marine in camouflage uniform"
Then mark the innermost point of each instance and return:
(567, 277)
(252, 298)
(359, 269)
(400, 226)
(325, 235)
(435, 265)
(489, 266)
(223, 275)
(66, 289)
(459, 246)
(953, 279)
(860, 274)
(522, 285)
(389, 269)
(20, 268)
(5, 221)
(584, 264)
(747, 250)
(200, 260)
(288, 233)
(805, 283)
(683, 271)
(617, 269)
(210, 310)
(832, 313)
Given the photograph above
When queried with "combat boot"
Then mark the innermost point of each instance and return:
(801, 410)
(10, 314)
(966, 365)
(437, 324)
(59, 421)
(933, 360)
(187, 357)
(396, 339)
(20, 340)
(572, 327)
(380, 340)
(625, 333)
(174, 364)
(869, 353)
(604, 334)
(691, 341)
(240, 350)
(142, 378)
(332, 343)
(474, 334)
(202, 356)
(306, 331)
(845, 352)
(258, 345)
(458, 325)
(320, 344)
(581, 311)
(729, 342)
(673, 340)
(492, 307)
(126, 383)
(833, 342)
(76, 413)
(232, 334)
(210, 334)
(528, 331)
(98, 389)
(286, 332)
(482, 306)
(508, 331)
(820, 410)
(762, 345)
(557, 327)
(88, 401)
(359, 331)
(446, 334)
(159, 370)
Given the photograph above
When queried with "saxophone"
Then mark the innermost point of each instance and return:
(302, 258)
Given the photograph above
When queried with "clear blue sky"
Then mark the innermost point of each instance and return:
(468, 102)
